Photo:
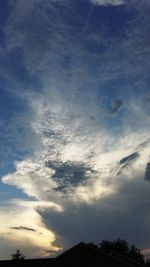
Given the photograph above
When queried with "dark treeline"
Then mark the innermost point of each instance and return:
(121, 246)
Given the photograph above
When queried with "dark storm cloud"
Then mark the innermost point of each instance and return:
(23, 228)
(147, 172)
(130, 158)
(122, 215)
(116, 105)
(69, 174)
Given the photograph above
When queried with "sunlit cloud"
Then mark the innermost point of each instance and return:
(32, 238)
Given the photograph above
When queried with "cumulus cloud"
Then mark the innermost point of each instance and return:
(67, 151)
(31, 177)
(100, 219)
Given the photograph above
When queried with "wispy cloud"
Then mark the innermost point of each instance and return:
(20, 228)
(108, 2)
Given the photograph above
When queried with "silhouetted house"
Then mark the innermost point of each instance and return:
(86, 255)
(81, 255)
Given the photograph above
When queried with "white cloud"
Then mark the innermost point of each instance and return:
(62, 140)
(108, 2)
(71, 142)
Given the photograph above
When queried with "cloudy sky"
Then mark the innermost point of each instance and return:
(74, 124)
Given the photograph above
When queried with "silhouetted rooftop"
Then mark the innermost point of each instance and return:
(80, 255)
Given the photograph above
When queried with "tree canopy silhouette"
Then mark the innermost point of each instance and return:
(135, 254)
(18, 255)
(148, 262)
(121, 246)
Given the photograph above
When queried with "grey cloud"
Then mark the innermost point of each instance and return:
(127, 161)
(132, 157)
(69, 174)
(123, 215)
(22, 228)
(147, 172)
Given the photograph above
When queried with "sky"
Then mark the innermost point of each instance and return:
(74, 124)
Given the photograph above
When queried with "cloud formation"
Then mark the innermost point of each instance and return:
(100, 220)
(67, 154)
(35, 241)
(129, 158)
(108, 2)
(69, 174)
(20, 228)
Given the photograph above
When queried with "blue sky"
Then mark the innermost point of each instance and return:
(74, 124)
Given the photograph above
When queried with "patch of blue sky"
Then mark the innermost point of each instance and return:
(19, 72)
(18, 68)
(8, 192)
(115, 124)
(114, 19)
(4, 13)
(10, 104)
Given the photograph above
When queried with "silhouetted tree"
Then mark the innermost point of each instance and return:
(121, 246)
(18, 255)
(135, 254)
(148, 262)
(106, 246)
